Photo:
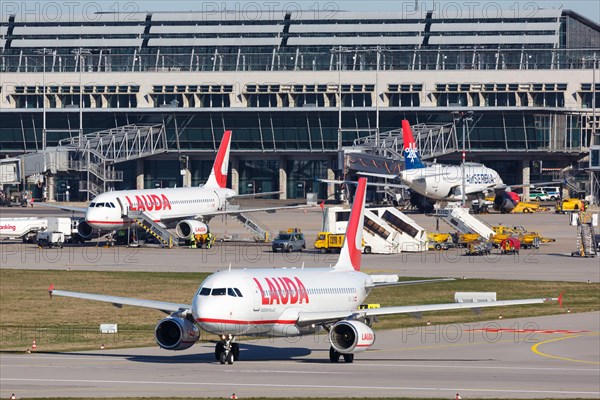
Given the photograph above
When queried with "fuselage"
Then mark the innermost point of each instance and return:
(268, 301)
(109, 210)
(444, 181)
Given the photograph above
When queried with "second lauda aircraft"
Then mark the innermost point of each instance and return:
(187, 209)
(286, 302)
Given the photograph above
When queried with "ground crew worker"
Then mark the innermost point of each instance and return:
(209, 240)
(193, 242)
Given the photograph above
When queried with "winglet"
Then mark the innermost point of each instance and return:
(412, 160)
(351, 252)
(50, 289)
(218, 174)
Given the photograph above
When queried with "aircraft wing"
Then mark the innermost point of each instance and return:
(309, 318)
(64, 208)
(252, 195)
(387, 185)
(164, 306)
(408, 283)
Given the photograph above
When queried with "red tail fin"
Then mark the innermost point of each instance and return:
(352, 250)
(218, 174)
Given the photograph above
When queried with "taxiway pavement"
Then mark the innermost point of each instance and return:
(554, 356)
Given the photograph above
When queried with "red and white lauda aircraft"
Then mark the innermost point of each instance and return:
(187, 209)
(285, 302)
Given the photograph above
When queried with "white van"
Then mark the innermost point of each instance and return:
(552, 191)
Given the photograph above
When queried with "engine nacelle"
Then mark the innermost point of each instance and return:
(174, 333)
(85, 231)
(188, 227)
(349, 337)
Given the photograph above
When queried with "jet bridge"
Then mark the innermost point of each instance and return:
(386, 230)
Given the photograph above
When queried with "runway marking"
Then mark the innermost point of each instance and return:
(231, 384)
(534, 348)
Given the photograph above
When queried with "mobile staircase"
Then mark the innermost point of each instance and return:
(260, 231)
(386, 230)
(145, 221)
(586, 237)
(460, 219)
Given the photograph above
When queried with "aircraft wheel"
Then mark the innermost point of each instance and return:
(438, 247)
(219, 349)
(235, 350)
(348, 358)
(334, 356)
(230, 358)
(367, 249)
(223, 358)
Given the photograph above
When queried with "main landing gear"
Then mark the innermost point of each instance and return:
(226, 351)
(334, 356)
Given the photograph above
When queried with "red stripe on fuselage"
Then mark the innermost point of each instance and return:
(240, 322)
(121, 222)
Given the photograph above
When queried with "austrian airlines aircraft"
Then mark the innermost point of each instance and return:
(188, 209)
(285, 302)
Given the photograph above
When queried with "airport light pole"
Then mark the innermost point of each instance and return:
(463, 118)
(79, 53)
(44, 52)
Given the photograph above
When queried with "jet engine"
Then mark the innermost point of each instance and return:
(84, 230)
(188, 227)
(174, 333)
(349, 337)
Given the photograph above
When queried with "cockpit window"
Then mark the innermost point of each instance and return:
(231, 292)
(204, 291)
(238, 292)
(112, 205)
(219, 292)
(98, 205)
(92, 205)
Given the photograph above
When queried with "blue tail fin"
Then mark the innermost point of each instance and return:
(412, 160)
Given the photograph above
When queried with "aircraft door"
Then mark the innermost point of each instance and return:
(256, 296)
(124, 209)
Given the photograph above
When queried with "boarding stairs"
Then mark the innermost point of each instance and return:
(260, 231)
(586, 238)
(386, 230)
(460, 219)
(155, 229)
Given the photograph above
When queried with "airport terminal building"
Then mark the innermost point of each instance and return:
(117, 100)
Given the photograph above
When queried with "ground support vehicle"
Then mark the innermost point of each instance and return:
(288, 241)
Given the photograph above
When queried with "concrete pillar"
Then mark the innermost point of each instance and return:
(139, 174)
(50, 188)
(235, 174)
(282, 178)
(330, 186)
(526, 179)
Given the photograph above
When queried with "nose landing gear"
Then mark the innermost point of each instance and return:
(226, 351)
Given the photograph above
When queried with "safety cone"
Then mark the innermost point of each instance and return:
(102, 347)
(233, 396)
(428, 323)
(500, 316)
(33, 345)
(27, 351)
(13, 397)
(457, 397)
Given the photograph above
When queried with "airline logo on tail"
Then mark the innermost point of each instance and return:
(218, 175)
(352, 250)
(411, 154)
